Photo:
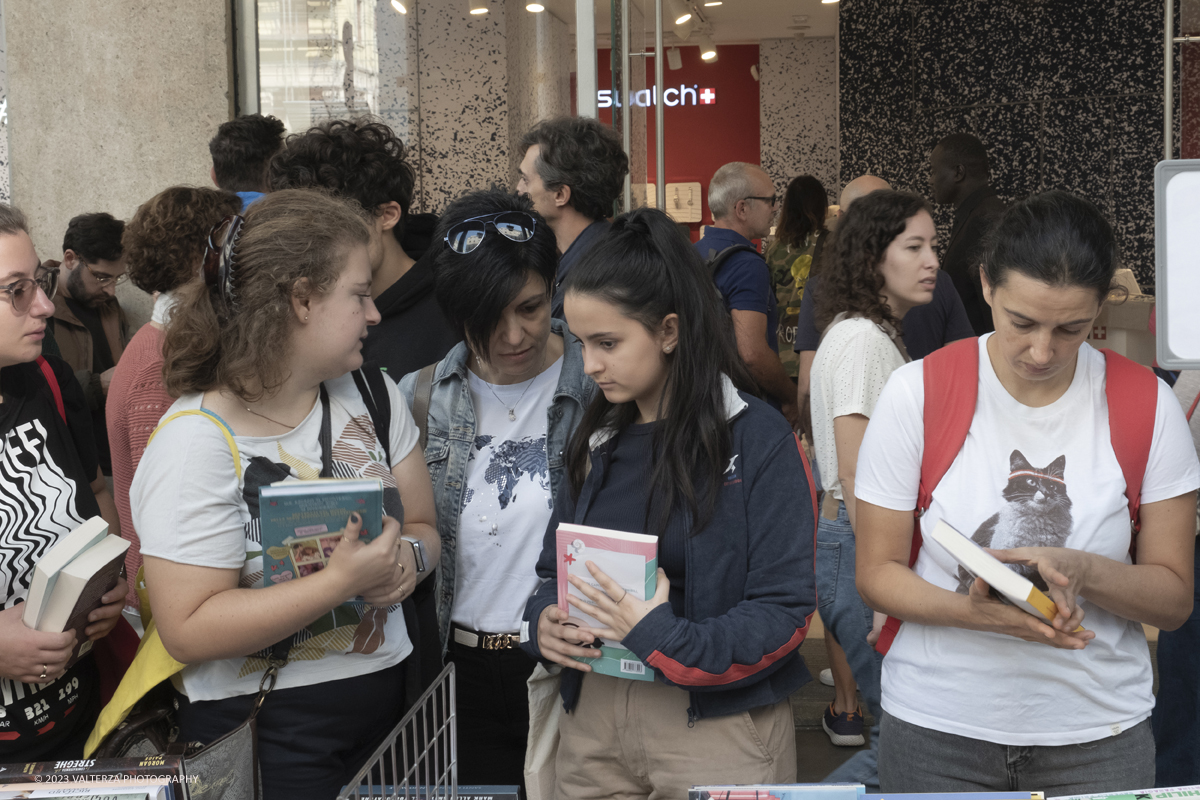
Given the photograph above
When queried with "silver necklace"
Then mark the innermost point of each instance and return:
(512, 412)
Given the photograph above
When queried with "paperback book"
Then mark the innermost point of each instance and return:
(152, 768)
(792, 791)
(77, 588)
(465, 792)
(958, 796)
(45, 572)
(1165, 793)
(1012, 587)
(630, 559)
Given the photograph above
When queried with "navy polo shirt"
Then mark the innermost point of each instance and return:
(583, 242)
(744, 279)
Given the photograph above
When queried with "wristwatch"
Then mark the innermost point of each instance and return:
(418, 552)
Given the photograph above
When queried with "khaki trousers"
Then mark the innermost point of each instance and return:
(630, 739)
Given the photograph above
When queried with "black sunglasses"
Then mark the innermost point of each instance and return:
(516, 226)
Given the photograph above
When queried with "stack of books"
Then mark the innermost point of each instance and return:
(148, 778)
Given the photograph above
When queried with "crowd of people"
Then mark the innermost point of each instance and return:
(775, 414)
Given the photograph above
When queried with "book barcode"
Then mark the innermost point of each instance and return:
(634, 667)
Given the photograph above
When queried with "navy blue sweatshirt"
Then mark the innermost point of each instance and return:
(750, 589)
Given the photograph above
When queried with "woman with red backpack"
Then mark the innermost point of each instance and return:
(1042, 449)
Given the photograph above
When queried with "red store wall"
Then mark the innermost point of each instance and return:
(700, 138)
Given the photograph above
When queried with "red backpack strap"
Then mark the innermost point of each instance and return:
(1132, 393)
(52, 379)
(951, 389)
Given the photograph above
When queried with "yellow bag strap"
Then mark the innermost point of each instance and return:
(226, 431)
(152, 664)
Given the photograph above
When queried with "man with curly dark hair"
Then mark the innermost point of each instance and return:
(364, 160)
(240, 153)
(573, 170)
(89, 325)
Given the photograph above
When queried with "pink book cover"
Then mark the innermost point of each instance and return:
(630, 559)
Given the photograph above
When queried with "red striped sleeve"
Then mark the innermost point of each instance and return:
(693, 676)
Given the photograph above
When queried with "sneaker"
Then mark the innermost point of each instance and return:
(845, 730)
(827, 677)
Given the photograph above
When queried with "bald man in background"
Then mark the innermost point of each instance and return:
(926, 328)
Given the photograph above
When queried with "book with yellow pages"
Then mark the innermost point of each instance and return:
(1011, 586)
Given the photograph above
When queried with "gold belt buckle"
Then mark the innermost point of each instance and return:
(500, 641)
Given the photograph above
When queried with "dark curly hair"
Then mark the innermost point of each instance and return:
(1056, 238)
(241, 149)
(852, 281)
(94, 237)
(803, 212)
(360, 159)
(583, 154)
(166, 238)
(473, 289)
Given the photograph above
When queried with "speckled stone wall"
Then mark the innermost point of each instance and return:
(5, 176)
(798, 110)
(1065, 95)
(539, 73)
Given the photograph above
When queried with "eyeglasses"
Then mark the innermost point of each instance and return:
(21, 293)
(218, 256)
(516, 226)
(771, 201)
(103, 278)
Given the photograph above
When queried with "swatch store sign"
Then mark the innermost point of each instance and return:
(683, 96)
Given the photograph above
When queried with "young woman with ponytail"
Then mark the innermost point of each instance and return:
(677, 447)
(265, 346)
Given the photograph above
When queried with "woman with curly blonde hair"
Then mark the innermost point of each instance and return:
(881, 264)
(164, 244)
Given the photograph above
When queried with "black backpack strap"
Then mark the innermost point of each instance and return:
(717, 260)
(371, 383)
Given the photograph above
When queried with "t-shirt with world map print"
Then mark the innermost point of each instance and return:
(506, 504)
(190, 508)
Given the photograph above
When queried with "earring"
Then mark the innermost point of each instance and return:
(668, 348)
(306, 317)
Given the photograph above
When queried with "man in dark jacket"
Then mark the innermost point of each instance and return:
(959, 173)
(363, 160)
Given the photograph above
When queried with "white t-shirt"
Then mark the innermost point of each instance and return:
(189, 507)
(849, 372)
(1049, 475)
(506, 505)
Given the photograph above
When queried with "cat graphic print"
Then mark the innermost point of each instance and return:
(1036, 513)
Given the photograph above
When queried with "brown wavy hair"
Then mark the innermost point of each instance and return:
(164, 242)
(293, 244)
(852, 281)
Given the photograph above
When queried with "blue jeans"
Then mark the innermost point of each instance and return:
(1176, 717)
(844, 612)
(916, 759)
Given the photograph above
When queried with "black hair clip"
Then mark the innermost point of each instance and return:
(218, 257)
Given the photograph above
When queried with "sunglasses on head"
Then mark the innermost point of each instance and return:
(21, 293)
(516, 226)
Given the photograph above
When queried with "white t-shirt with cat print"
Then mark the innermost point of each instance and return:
(1025, 476)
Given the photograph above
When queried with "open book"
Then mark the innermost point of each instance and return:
(630, 559)
(1012, 586)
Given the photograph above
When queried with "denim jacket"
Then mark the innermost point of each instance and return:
(452, 434)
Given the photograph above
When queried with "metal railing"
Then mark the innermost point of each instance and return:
(419, 758)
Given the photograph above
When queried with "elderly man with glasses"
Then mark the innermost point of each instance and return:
(89, 325)
(743, 202)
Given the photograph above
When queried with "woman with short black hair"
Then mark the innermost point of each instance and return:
(501, 406)
(978, 695)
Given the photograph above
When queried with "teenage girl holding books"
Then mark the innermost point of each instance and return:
(676, 447)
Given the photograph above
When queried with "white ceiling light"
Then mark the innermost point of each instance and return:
(680, 13)
(536, 8)
(712, 3)
(479, 7)
(396, 4)
(674, 59)
(683, 30)
(829, 2)
(708, 50)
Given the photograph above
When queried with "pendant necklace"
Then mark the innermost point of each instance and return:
(512, 411)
